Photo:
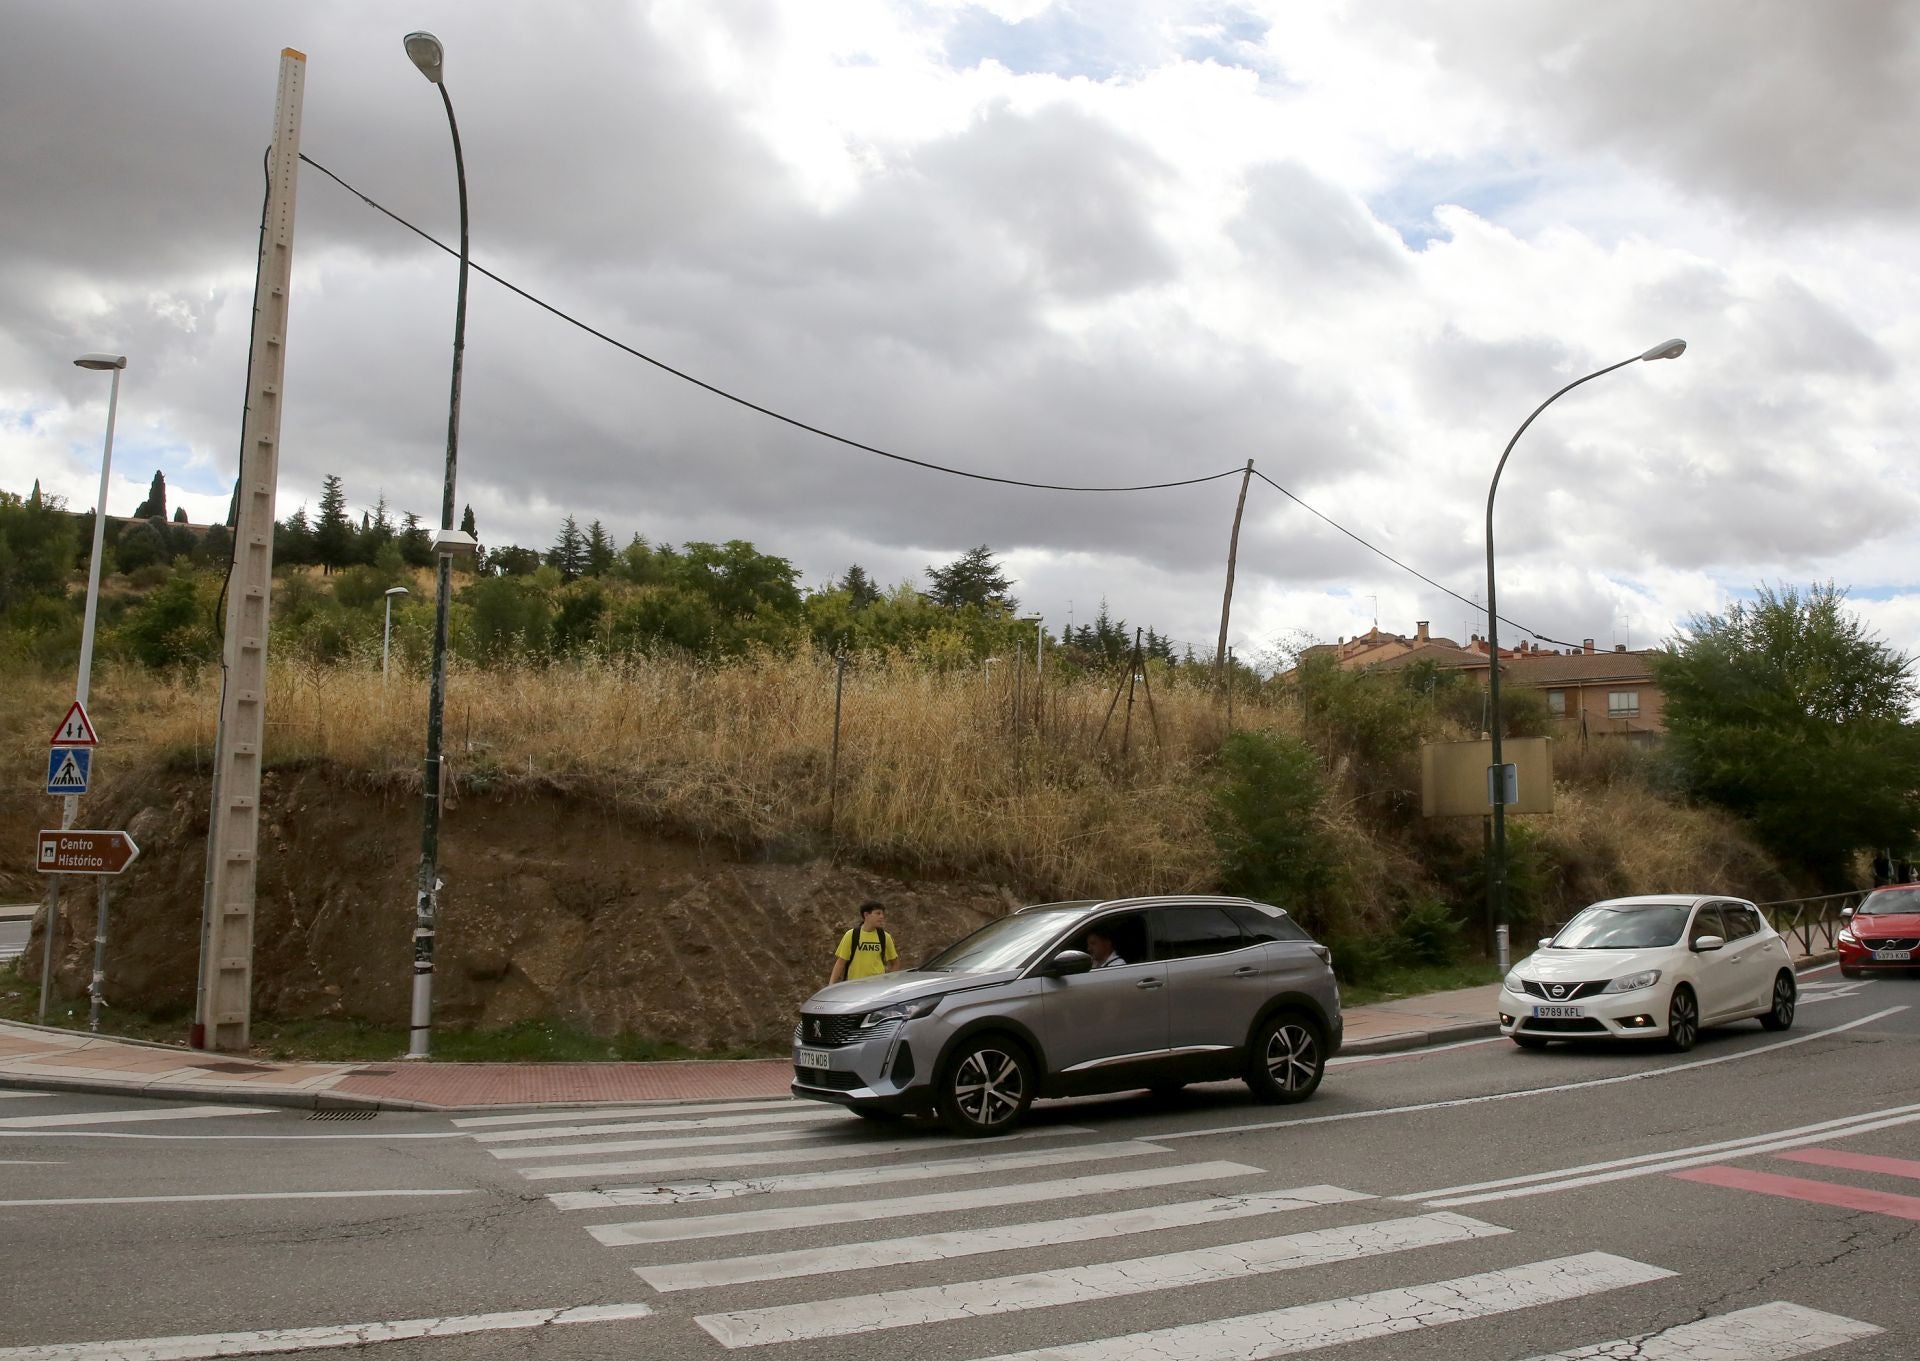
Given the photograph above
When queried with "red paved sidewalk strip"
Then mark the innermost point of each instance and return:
(510, 1084)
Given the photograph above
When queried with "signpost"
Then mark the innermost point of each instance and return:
(100, 853)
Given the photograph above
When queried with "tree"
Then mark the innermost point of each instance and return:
(599, 551)
(466, 523)
(293, 540)
(513, 561)
(36, 548)
(156, 502)
(233, 506)
(139, 545)
(333, 535)
(416, 545)
(1787, 710)
(861, 592)
(973, 578)
(569, 551)
(376, 531)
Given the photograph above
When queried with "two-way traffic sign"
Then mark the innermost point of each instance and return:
(68, 769)
(85, 852)
(75, 730)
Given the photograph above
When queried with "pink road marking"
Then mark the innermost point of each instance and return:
(1855, 1162)
(1799, 1188)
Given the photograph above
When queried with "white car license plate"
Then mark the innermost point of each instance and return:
(1893, 954)
(812, 1058)
(1559, 1013)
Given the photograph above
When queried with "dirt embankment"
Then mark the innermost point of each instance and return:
(553, 907)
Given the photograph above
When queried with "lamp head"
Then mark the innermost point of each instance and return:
(425, 51)
(1666, 349)
(398, 590)
(101, 361)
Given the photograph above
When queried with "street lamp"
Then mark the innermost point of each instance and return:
(82, 686)
(386, 631)
(1497, 785)
(426, 53)
(112, 363)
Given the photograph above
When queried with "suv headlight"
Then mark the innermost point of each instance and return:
(902, 1011)
(1633, 982)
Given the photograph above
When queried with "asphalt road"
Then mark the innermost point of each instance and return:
(13, 936)
(1757, 1198)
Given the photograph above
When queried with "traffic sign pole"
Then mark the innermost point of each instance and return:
(97, 991)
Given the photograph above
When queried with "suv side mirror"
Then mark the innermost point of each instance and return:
(1846, 914)
(1707, 943)
(1546, 942)
(1068, 962)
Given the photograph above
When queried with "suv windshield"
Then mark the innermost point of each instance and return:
(1891, 900)
(1004, 944)
(1623, 928)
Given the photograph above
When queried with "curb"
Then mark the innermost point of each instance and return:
(1402, 1041)
(215, 1096)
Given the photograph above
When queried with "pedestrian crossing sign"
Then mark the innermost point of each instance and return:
(68, 769)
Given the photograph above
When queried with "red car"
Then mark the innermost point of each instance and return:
(1883, 933)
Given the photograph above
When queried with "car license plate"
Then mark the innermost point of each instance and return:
(812, 1058)
(1559, 1013)
(1893, 954)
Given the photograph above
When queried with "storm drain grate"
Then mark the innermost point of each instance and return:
(232, 1066)
(344, 1113)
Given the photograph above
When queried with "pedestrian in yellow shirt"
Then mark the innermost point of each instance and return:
(866, 950)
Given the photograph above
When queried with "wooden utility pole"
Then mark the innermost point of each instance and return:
(223, 1010)
(1233, 553)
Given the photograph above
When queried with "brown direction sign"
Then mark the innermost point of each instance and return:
(78, 852)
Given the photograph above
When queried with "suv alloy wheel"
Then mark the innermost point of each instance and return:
(987, 1086)
(1287, 1058)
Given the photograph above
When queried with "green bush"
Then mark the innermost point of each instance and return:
(1263, 819)
(1428, 934)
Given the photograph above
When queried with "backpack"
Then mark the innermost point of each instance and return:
(853, 947)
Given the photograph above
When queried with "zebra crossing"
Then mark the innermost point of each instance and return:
(737, 1217)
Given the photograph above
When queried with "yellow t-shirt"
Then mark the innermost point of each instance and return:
(867, 960)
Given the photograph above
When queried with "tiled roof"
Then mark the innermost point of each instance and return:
(1549, 668)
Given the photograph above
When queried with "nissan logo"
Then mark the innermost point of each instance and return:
(1558, 989)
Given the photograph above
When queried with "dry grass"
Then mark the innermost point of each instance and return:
(934, 773)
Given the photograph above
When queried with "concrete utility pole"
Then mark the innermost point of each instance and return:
(223, 1010)
(1233, 552)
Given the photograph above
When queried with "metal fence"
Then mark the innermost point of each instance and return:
(1811, 920)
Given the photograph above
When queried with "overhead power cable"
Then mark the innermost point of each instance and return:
(735, 398)
(1371, 548)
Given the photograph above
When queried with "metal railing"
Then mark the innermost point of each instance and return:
(1808, 920)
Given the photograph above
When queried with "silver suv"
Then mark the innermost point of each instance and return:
(1195, 990)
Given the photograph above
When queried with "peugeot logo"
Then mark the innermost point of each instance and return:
(814, 1029)
(1558, 989)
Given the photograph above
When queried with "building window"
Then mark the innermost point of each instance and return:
(1557, 703)
(1623, 704)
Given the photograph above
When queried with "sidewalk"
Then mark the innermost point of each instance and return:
(64, 1060)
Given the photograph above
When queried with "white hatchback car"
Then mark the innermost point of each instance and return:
(1656, 967)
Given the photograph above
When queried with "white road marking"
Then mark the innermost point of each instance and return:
(1452, 1102)
(822, 1116)
(232, 1195)
(782, 1157)
(1826, 1129)
(1106, 1280)
(940, 1247)
(1382, 1313)
(334, 1335)
(548, 1115)
(217, 1138)
(669, 1144)
(29, 1162)
(932, 1170)
(123, 1116)
(1677, 1164)
(684, 1227)
(1767, 1332)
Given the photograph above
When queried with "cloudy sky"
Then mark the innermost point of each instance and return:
(1092, 243)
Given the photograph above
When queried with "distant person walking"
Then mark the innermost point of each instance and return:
(867, 949)
(1882, 869)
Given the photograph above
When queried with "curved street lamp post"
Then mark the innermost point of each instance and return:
(386, 631)
(1497, 785)
(426, 53)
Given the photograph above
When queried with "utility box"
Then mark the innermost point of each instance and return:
(1455, 783)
